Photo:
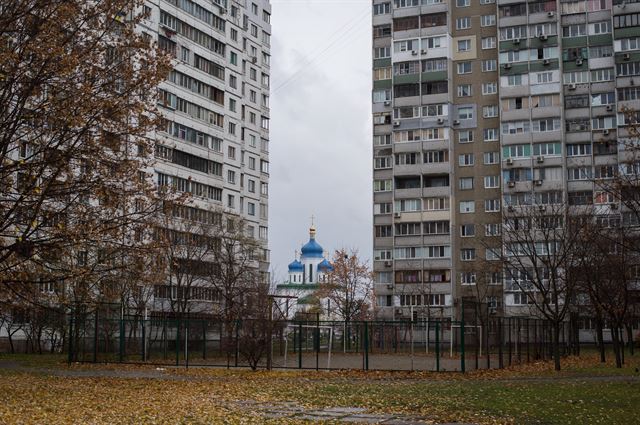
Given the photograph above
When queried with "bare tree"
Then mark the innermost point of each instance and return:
(348, 286)
(77, 102)
(540, 248)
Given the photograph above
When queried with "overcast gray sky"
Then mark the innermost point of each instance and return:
(320, 140)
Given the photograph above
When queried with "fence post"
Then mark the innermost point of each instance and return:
(177, 342)
(462, 364)
(95, 337)
(299, 345)
(438, 346)
(71, 348)
(317, 338)
(509, 326)
(144, 340)
(121, 351)
(204, 339)
(237, 355)
(500, 357)
(366, 345)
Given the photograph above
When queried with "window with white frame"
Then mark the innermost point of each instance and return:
(490, 111)
(464, 45)
(489, 42)
(487, 20)
(492, 229)
(463, 23)
(464, 67)
(490, 134)
(491, 158)
(382, 185)
(465, 159)
(467, 254)
(465, 113)
(466, 183)
(467, 278)
(492, 205)
(465, 136)
(467, 207)
(489, 88)
(491, 182)
(489, 65)
(464, 90)
(467, 230)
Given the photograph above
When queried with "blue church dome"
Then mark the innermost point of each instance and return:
(325, 266)
(296, 266)
(312, 249)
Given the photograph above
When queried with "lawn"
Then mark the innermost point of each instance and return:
(585, 393)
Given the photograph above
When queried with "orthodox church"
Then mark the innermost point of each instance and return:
(304, 278)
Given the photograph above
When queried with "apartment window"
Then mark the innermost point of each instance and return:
(464, 90)
(380, 96)
(605, 74)
(434, 157)
(489, 65)
(466, 183)
(492, 229)
(467, 278)
(464, 67)
(463, 23)
(492, 205)
(381, 8)
(603, 27)
(410, 158)
(408, 229)
(489, 88)
(467, 230)
(382, 140)
(465, 113)
(436, 204)
(465, 159)
(463, 3)
(630, 44)
(467, 207)
(436, 227)
(464, 45)
(382, 52)
(383, 162)
(233, 81)
(382, 185)
(490, 134)
(231, 201)
(547, 124)
(491, 182)
(624, 21)
(380, 31)
(382, 208)
(382, 73)
(491, 158)
(408, 205)
(576, 30)
(511, 33)
(406, 45)
(465, 136)
(489, 42)
(231, 177)
(487, 20)
(385, 231)
(547, 149)
(467, 254)
(601, 51)
(490, 111)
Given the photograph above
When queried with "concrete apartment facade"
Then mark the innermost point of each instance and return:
(481, 107)
(214, 143)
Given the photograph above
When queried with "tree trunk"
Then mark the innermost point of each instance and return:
(556, 345)
(616, 346)
(630, 338)
(600, 338)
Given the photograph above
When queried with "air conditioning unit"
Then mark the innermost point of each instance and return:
(540, 159)
(572, 86)
(543, 37)
(538, 182)
(387, 103)
(511, 184)
(546, 62)
(396, 123)
(626, 56)
(440, 120)
(605, 131)
(613, 206)
(551, 14)
(456, 122)
(414, 53)
(516, 41)
(609, 107)
(509, 161)
(388, 264)
(397, 214)
(254, 59)
(579, 61)
(389, 286)
(507, 66)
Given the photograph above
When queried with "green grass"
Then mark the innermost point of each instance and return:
(585, 392)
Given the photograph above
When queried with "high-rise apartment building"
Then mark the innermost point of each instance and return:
(214, 143)
(481, 107)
